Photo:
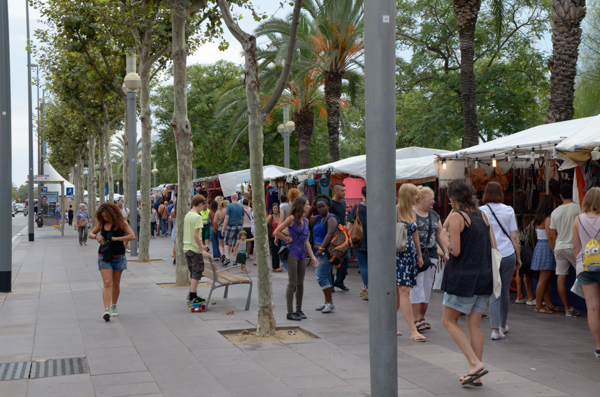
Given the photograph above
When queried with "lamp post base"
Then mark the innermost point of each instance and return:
(30, 236)
(5, 281)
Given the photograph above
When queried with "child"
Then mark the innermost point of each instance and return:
(240, 251)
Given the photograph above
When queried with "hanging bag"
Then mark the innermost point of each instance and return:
(356, 233)
(401, 234)
(499, 176)
(424, 252)
(496, 261)
(480, 179)
(106, 248)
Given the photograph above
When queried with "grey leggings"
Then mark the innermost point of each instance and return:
(83, 233)
(499, 306)
(296, 270)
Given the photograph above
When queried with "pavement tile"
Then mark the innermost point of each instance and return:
(71, 385)
(131, 389)
(14, 388)
(526, 389)
(122, 378)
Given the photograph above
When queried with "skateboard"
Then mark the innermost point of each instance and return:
(196, 307)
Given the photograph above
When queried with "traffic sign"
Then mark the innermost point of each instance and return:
(44, 189)
(70, 192)
(40, 178)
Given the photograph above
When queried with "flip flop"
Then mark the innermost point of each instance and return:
(543, 310)
(474, 377)
(555, 309)
(417, 339)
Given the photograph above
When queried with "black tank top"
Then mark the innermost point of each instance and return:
(470, 273)
(118, 247)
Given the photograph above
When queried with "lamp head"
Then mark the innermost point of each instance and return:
(280, 128)
(290, 126)
(132, 81)
(154, 171)
(125, 89)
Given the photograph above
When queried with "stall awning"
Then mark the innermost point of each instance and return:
(231, 182)
(55, 176)
(579, 145)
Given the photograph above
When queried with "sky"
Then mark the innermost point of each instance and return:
(209, 53)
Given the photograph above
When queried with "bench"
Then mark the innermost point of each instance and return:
(224, 278)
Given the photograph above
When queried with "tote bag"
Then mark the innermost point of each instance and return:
(496, 260)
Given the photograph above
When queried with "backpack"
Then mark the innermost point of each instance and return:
(339, 245)
(356, 234)
(499, 176)
(480, 179)
(590, 254)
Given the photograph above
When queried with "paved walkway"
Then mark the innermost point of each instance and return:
(157, 347)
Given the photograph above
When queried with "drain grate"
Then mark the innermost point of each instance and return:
(14, 371)
(43, 368)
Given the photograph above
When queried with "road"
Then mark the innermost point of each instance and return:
(18, 223)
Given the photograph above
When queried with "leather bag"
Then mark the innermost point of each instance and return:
(401, 235)
(356, 234)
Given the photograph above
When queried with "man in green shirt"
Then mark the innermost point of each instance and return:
(205, 213)
(193, 248)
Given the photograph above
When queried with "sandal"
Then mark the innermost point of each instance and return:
(426, 324)
(473, 377)
(419, 338)
(543, 310)
(555, 309)
(420, 326)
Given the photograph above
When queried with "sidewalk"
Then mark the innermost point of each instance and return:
(157, 347)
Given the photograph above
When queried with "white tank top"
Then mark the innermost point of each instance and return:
(541, 234)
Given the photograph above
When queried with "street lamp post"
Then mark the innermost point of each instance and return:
(286, 130)
(132, 82)
(154, 172)
(30, 190)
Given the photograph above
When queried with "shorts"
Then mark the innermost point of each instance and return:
(589, 278)
(421, 293)
(464, 304)
(231, 234)
(240, 259)
(219, 235)
(249, 233)
(323, 271)
(565, 257)
(206, 232)
(115, 265)
(195, 264)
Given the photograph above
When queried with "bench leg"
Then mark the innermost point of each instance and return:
(226, 290)
(212, 288)
(249, 296)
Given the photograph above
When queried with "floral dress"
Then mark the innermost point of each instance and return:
(407, 261)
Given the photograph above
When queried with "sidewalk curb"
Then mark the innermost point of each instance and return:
(17, 238)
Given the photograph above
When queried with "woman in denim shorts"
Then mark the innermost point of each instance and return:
(586, 228)
(467, 280)
(111, 229)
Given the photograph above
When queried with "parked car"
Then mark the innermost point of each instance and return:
(20, 207)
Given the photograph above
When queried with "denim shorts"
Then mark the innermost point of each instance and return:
(463, 304)
(114, 265)
(323, 271)
(588, 278)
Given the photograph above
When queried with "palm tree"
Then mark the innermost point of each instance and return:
(336, 43)
(566, 36)
(118, 149)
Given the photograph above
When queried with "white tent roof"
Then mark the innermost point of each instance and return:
(544, 137)
(407, 168)
(587, 137)
(55, 176)
(231, 182)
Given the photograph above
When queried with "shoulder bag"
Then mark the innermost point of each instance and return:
(81, 223)
(424, 252)
(496, 261)
(356, 234)
(401, 235)
(106, 248)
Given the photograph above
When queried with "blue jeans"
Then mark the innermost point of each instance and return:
(323, 271)
(215, 243)
(163, 227)
(284, 263)
(342, 272)
(362, 258)
(499, 306)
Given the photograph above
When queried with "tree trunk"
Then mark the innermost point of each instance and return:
(182, 131)
(305, 122)
(146, 121)
(109, 170)
(92, 178)
(566, 36)
(333, 93)
(125, 161)
(102, 169)
(467, 12)
(80, 182)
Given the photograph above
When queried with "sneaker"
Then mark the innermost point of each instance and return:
(106, 315)
(127, 249)
(497, 336)
(301, 314)
(293, 317)
(320, 307)
(341, 286)
(207, 248)
(597, 353)
(504, 330)
(361, 293)
(485, 316)
(531, 303)
(113, 311)
(328, 308)
(524, 300)
(365, 296)
(227, 262)
(174, 261)
(572, 313)
(197, 301)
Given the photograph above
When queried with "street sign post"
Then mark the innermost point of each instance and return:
(70, 192)
(44, 189)
(40, 178)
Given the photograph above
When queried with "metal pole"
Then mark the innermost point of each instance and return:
(38, 134)
(380, 128)
(286, 136)
(131, 137)
(64, 210)
(30, 190)
(5, 152)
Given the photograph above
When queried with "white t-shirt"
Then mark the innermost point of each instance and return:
(285, 208)
(124, 212)
(506, 216)
(562, 220)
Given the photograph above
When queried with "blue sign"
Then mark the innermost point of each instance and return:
(105, 191)
(44, 189)
(69, 192)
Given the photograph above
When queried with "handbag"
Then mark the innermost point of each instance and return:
(284, 252)
(356, 234)
(424, 252)
(80, 223)
(496, 261)
(401, 235)
(106, 248)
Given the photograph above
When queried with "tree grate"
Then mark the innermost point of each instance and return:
(43, 368)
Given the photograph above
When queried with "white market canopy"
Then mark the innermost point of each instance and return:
(412, 164)
(232, 181)
(541, 137)
(585, 139)
(55, 176)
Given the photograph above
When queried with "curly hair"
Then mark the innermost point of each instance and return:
(463, 192)
(113, 213)
(322, 197)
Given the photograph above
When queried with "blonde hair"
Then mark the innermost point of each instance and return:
(218, 199)
(591, 201)
(292, 194)
(424, 191)
(405, 195)
(223, 204)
